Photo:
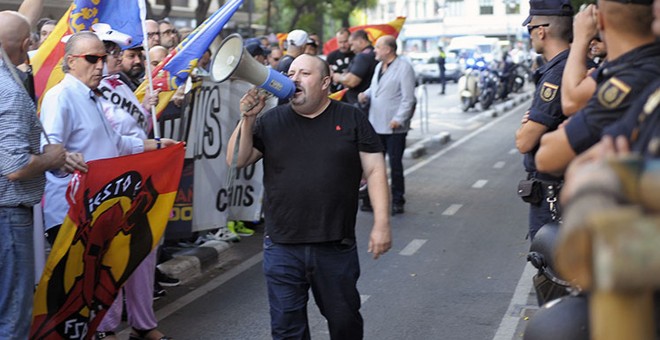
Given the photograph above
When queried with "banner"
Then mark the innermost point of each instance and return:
(373, 31)
(122, 15)
(215, 115)
(118, 213)
(173, 71)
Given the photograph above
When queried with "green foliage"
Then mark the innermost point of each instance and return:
(577, 3)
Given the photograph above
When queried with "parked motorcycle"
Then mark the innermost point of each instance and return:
(478, 84)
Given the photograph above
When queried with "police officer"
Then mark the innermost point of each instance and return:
(550, 29)
(633, 52)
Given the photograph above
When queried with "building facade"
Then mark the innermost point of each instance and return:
(432, 23)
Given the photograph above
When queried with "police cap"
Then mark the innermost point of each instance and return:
(550, 8)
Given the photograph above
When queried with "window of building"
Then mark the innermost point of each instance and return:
(454, 8)
(485, 7)
(512, 6)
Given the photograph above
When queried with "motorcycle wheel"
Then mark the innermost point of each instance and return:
(518, 83)
(487, 100)
(466, 103)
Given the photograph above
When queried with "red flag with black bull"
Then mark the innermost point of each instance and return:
(118, 211)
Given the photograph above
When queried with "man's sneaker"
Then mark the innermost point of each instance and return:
(239, 228)
(165, 280)
(224, 234)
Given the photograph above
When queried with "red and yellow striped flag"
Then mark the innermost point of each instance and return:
(373, 31)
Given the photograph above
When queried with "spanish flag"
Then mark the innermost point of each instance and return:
(173, 71)
(373, 31)
(118, 213)
(122, 15)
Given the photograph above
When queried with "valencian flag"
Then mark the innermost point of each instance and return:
(173, 71)
(373, 31)
(122, 15)
(118, 213)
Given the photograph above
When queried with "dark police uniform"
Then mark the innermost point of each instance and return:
(545, 110)
(641, 123)
(619, 83)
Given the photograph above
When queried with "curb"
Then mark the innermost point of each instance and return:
(191, 263)
(419, 148)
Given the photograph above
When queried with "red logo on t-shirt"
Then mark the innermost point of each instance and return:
(338, 128)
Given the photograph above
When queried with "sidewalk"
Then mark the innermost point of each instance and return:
(188, 264)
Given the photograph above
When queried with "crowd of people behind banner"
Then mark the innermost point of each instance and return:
(615, 97)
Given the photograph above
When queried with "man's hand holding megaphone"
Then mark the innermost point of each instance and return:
(253, 102)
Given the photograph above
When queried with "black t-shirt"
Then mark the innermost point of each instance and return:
(312, 171)
(338, 62)
(363, 66)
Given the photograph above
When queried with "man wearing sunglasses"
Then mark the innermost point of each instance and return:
(72, 116)
(550, 27)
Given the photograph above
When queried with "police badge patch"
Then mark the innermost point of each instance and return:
(548, 91)
(612, 93)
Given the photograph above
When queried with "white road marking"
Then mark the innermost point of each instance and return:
(509, 323)
(452, 209)
(513, 151)
(457, 144)
(364, 298)
(479, 184)
(499, 165)
(412, 247)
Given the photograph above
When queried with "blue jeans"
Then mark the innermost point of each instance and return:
(394, 145)
(331, 270)
(16, 272)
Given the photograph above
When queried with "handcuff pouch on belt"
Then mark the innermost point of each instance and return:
(530, 191)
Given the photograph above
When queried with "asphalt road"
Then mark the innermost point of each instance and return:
(456, 267)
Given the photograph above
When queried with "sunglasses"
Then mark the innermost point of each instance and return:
(91, 58)
(532, 27)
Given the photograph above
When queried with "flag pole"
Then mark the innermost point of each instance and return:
(145, 45)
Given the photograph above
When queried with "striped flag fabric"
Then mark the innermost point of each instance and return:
(118, 213)
(374, 32)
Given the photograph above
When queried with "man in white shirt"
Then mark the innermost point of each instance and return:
(71, 116)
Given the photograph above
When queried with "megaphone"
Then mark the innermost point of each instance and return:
(232, 59)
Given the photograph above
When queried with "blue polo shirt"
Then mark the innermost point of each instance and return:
(620, 82)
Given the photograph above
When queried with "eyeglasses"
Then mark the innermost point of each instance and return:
(91, 58)
(152, 34)
(530, 28)
(170, 31)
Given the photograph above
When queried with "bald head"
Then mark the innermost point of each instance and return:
(15, 35)
(156, 55)
(627, 19)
